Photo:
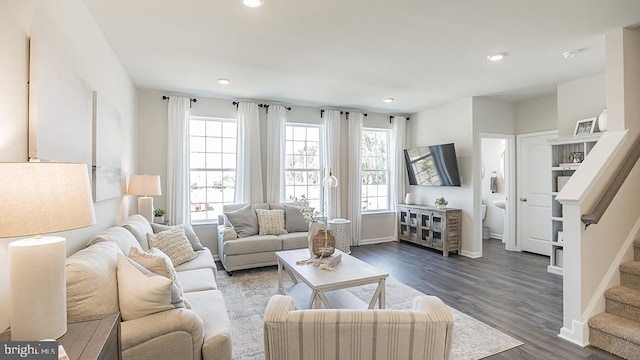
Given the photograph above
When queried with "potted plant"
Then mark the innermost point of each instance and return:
(441, 202)
(158, 216)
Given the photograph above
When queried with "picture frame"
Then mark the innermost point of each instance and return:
(585, 126)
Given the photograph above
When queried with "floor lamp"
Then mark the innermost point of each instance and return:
(329, 181)
(146, 186)
(41, 198)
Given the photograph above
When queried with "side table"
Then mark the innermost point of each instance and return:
(91, 338)
(341, 230)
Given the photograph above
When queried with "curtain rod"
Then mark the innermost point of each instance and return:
(266, 106)
(393, 116)
(341, 112)
(165, 97)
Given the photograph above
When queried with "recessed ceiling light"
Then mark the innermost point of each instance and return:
(571, 53)
(496, 57)
(388, 100)
(253, 3)
(224, 81)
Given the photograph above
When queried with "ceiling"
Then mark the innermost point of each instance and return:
(353, 53)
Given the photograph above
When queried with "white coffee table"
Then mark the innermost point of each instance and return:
(326, 288)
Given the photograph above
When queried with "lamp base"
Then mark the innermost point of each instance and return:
(145, 207)
(38, 288)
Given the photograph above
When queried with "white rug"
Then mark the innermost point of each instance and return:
(246, 294)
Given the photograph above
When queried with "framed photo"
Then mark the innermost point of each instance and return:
(585, 126)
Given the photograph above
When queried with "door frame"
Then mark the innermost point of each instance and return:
(510, 239)
(520, 176)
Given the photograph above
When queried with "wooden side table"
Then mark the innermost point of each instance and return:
(90, 338)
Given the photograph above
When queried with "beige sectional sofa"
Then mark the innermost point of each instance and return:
(240, 246)
(202, 332)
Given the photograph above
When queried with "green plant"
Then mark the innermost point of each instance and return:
(159, 212)
(309, 213)
(441, 201)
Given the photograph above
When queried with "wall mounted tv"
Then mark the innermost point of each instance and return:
(435, 165)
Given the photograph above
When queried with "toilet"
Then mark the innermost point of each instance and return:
(485, 229)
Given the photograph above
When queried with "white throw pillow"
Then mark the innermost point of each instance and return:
(142, 292)
(271, 222)
(174, 243)
(158, 263)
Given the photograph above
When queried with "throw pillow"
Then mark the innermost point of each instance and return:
(244, 220)
(271, 222)
(294, 221)
(139, 227)
(158, 263)
(142, 293)
(188, 230)
(174, 243)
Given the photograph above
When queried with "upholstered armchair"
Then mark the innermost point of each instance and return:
(422, 333)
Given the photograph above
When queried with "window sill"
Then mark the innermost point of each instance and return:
(381, 212)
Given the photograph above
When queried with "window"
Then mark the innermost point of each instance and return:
(212, 151)
(374, 168)
(302, 163)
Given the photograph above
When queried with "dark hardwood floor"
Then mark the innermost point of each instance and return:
(510, 291)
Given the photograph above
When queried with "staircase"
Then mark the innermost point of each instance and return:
(617, 330)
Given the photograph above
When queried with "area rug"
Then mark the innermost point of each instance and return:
(246, 294)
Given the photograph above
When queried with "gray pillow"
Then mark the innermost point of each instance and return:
(244, 220)
(188, 231)
(293, 219)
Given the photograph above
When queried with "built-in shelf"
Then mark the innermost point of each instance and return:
(563, 151)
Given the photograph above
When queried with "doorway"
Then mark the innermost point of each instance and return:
(496, 189)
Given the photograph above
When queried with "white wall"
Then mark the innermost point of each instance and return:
(537, 114)
(427, 128)
(580, 99)
(67, 27)
(152, 140)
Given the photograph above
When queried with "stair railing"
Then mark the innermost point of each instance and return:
(606, 197)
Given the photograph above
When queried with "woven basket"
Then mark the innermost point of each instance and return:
(324, 244)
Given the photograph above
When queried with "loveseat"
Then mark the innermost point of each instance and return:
(241, 244)
(423, 333)
(98, 284)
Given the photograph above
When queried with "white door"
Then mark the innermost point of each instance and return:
(534, 188)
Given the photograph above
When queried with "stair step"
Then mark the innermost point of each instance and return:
(623, 301)
(616, 335)
(630, 274)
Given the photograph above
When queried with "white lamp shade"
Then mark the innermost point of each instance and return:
(41, 198)
(146, 185)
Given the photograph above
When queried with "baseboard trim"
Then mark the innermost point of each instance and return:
(471, 254)
(376, 240)
(576, 335)
(495, 236)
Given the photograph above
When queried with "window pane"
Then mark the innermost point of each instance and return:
(303, 163)
(374, 169)
(212, 154)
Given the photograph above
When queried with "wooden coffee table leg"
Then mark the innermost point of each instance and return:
(280, 284)
(378, 296)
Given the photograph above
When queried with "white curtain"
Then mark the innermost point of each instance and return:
(332, 156)
(354, 204)
(396, 161)
(276, 119)
(178, 194)
(249, 165)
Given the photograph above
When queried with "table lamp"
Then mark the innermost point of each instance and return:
(41, 198)
(147, 186)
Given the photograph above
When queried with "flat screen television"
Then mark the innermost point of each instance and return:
(435, 165)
